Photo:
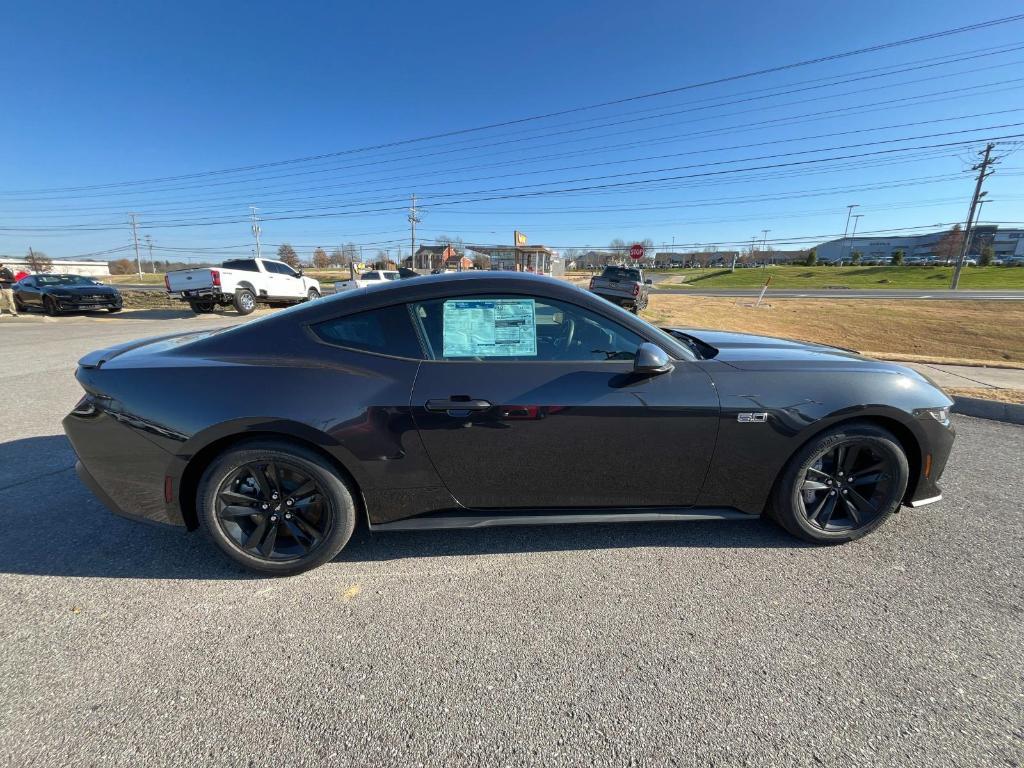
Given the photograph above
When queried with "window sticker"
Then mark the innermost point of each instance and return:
(490, 328)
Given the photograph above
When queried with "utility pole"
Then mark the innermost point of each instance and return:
(846, 229)
(149, 244)
(256, 229)
(977, 220)
(764, 233)
(983, 173)
(856, 219)
(413, 221)
(135, 237)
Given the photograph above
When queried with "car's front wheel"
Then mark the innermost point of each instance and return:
(313, 294)
(842, 485)
(275, 508)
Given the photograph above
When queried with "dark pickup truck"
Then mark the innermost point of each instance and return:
(624, 286)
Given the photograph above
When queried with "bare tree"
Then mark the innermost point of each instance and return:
(38, 261)
(948, 247)
(320, 260)
(288, 255)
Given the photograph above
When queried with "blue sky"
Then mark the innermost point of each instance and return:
(103, 93)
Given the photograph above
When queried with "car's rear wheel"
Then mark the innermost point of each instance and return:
(245, 301)
(842, 485)
(202, 306)
(275, 508)
(113, 309)
(18, 306)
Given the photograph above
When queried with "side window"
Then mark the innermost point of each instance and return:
(519, 328)
(245, 265)
(282, 269)
(386, 331)
(371, 276)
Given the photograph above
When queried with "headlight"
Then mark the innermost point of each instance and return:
(941, 415)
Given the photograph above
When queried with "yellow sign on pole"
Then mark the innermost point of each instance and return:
(520, 238)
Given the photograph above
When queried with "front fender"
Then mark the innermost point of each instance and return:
(799, 405)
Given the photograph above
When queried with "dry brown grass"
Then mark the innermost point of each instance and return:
(987, 393)
(962, 332)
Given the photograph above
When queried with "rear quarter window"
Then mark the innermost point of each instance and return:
(384, 331)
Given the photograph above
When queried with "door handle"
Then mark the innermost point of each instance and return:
(457, 405)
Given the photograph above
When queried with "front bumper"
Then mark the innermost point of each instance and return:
(79, 304)
(936, 445)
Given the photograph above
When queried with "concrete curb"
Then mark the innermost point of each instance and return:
(1012, 413)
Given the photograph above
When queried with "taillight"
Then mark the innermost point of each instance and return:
(636, 289)
(216, 277)
(167, 283)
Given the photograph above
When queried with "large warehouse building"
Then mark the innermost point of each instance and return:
(1006, 243)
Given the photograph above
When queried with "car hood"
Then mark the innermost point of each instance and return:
(752, 352)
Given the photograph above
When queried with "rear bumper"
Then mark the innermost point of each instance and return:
(121, 467)
(622, 301)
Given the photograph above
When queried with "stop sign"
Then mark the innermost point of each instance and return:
(636, 252)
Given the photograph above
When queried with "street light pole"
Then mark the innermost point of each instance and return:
(846, 229)
(856, 220)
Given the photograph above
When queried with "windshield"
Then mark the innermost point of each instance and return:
(63, 280)
(622, 273)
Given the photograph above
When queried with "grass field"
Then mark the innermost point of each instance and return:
(946, 331)
(978, 278)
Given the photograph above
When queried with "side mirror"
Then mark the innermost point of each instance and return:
(648, 281)
(651, 359)
(299, 273)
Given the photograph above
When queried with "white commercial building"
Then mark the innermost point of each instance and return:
(62, 267)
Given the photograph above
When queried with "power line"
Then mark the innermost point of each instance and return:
(573, 110)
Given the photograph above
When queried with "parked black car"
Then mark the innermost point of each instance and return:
(480, 398)
(65, 293)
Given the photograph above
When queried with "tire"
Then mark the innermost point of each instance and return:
(203, 306)
(313, 294)
(811, 503)
(18, 306)
(330, 510)
(244, 301)
(112, 310)
(50, 306)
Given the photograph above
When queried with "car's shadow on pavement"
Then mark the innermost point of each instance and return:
(54, 526)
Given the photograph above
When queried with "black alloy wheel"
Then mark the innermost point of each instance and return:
(842, 485)
(50, 306)
(275, 508)
(847, 487)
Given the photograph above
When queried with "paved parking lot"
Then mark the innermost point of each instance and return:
(648, 644)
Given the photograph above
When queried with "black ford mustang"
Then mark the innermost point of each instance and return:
(478, 399)
(65, 293)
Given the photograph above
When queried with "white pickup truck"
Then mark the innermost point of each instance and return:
(241, 283)
(374, 277)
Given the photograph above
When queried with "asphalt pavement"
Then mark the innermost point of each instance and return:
(650, 644)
